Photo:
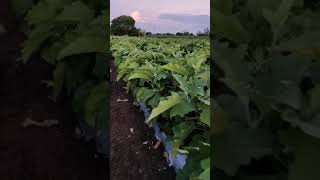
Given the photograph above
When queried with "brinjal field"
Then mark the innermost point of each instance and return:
(171, 78)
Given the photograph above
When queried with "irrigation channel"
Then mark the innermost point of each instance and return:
(134, 150)
(29, 151)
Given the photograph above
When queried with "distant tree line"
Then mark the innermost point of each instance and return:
(125, 25)
(205, 32)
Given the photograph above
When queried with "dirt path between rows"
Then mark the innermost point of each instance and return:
(37, 153)
(133, 156)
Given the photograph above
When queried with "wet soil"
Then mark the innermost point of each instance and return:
(132, 142)
(37, 153)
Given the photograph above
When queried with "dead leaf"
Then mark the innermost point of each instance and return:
(46, 123)
(157, 144)
(122, 100)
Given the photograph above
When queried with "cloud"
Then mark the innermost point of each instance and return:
(136, 15)
(186, 18)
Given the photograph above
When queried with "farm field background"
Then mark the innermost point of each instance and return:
(169, 79)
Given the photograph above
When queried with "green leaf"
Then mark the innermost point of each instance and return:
(41, 12)
(183, 84)
(50, 53)
(181, 109)
(306, 42)
(278, 18)
(220, 119)
(229, 26)
(205, 114)
(80, 95)
(205, 164)
(181, 131)
(237, 146)
(205, 175)
(154, 101)
(139, 75)
(224, 7)
(175, 68)
(36, 38)
(306, 149)
(84, 44)
(143, 94)
(76, 12)
(164, 105)
(96, 106)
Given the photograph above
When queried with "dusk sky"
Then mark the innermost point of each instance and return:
(165, 15)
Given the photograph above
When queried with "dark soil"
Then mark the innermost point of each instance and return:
(37, 153)
(131, 159)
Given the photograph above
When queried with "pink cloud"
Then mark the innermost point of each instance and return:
(136, 15)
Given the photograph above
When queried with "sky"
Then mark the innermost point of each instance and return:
(159, 16)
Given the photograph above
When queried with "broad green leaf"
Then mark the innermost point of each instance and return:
(76, 12)
(205, 175)
(310, 126)
(229, 26)
(279, 17)
(165, 105)
(237, 146)
(219, 119)
(181, 131)
(256, 7)
(144, 94)
(36, 38)
(154, 101)
(183, 84)
(50, 53)
(181, 109)
(205, 114)
(224, 7)
(304, 43)
(96, 106)
(175, 68)
(87, 44)
(80, 95)
(139, 75)
(306, 149)
(41, 12)
(205, 164)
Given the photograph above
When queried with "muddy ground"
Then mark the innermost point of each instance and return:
(132, 142)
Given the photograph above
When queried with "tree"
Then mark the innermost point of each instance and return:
(137, 32)
(123, 25)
